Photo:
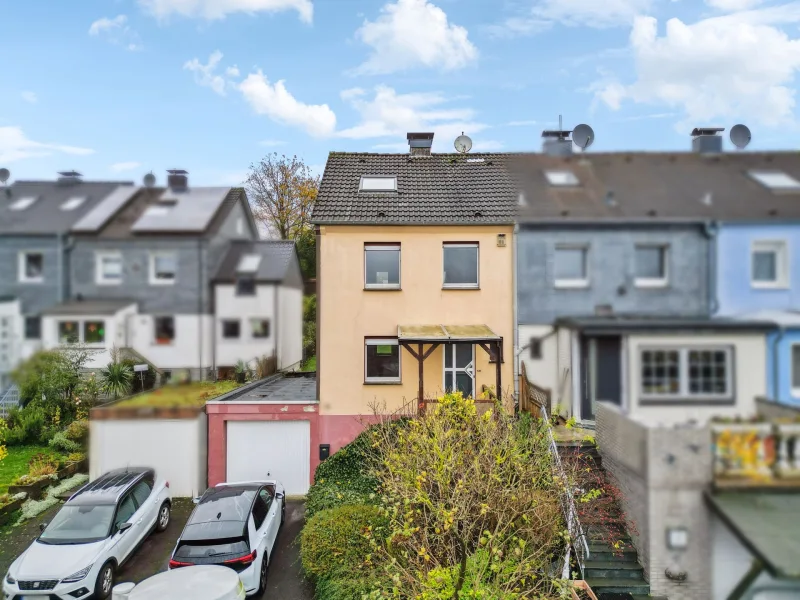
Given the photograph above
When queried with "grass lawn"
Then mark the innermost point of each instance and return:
(310, 365)
(16, 463)
(190, 394)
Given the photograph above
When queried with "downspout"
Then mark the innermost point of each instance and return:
(200, 281)
(516, 317)
(710, 229)
(776, 394)
(277, 321)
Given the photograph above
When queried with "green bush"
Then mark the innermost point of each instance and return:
(63, 444)
(346, 588)
(338, 543)
(78, 431)
(25, 426)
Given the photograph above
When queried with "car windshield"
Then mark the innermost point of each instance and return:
(79, 524)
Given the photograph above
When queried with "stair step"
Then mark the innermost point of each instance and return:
(632, 586)
(607, 554)
(613, 569)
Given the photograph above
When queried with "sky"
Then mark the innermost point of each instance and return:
(118, 88)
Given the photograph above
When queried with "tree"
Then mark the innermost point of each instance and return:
(282, 192)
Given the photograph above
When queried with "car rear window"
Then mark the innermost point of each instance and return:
(212, 549)
(223, 505)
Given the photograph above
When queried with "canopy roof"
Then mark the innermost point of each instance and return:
(446, 333)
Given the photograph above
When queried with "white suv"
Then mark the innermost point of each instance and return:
(96, 531)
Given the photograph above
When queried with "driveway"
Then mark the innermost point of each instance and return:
(285, 580)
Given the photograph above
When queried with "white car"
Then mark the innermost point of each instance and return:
(208, 582)
(94, 533)
(234, 525)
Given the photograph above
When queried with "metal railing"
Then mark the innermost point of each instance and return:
(8, 400)
(577, 536)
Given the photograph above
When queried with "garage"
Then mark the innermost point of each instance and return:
(270, 449)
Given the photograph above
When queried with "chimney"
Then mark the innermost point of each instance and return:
(419, 144)
(177, 179)
(69, 177)
(706, 140)
(557, 142)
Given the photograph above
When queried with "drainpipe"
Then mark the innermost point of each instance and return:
(276, 321)
(776, 344)
(710, 229)
(200, 281)
(516, 319)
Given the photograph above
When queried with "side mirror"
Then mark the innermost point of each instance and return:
(122, 527)
(42, 527)
(196, 500)
(280, 496)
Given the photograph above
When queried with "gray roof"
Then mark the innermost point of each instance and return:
(629, 322)
(276, 256)
(656, 186)
(282, 388)
(89, 307)
(45, 216)
(106, 209)
(189, 210)
(453, 189)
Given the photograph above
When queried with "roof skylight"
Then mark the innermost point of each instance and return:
(561, 178)
(23, 203)
(157, 211)
(249, 263)
(777, 181)
(378, 183)
(73, 203)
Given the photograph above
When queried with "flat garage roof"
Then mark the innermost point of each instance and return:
(282, 389)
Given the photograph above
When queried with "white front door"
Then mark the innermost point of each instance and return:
(259, 450)
(459, 369)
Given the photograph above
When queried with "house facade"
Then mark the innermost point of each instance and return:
(414, 279)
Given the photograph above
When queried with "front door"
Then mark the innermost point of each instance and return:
(602, 372)
(459, 369)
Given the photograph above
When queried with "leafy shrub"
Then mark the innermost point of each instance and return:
(75, 457)
(148, 376)
(63, 444)
(78, 431)
(117, 379)
(337, 543)
(25, 426)
(40, 466)
(350, 588)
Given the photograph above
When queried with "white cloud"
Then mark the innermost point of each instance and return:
(232, 71)
(206, 75)
(542, 14)
(219, 9)
(271, 143)
(411, 33)
(389, 114)
(30, 97)
(15, 145)
(275, 101)
(117, 31)
(734, 5)
(125, 166)
(737, 66)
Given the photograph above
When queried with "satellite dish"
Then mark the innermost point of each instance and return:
(583, 136)
(4, 175)
(463, 144)
(149, 180)
(740, 136)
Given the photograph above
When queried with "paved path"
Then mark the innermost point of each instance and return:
(285, 579)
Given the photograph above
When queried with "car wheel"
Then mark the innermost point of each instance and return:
(262, 576)
(105, 582)
(163, 517)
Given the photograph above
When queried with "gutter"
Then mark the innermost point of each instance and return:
(776, 394)
(516, 317)
(710, 229)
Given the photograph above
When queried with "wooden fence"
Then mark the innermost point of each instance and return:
(531, 396)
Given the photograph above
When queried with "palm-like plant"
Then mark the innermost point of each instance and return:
(117, 379)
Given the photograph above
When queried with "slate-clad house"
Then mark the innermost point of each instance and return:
(414, 280)
(35, 254)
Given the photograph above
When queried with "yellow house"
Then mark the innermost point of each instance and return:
(414, 280)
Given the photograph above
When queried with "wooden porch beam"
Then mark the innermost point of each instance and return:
(497, 365)
(421, 396)
(410, 349)
(430, 350)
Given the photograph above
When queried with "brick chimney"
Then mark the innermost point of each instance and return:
(419, 144)
(177, 179)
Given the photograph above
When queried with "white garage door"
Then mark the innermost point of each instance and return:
(270, 450)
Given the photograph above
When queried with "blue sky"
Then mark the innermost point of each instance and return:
(116, 88)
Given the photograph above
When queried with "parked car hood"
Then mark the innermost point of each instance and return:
(48, 561)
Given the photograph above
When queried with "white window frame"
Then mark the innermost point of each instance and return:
(152, 269)
(22, 260)
(794, 390)
(781, 249)
(99, 257)
(368, 247)
(683, 373)
(384, 342)
(463, 286)
(573, 283)
(651, 282)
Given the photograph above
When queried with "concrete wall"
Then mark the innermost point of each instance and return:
(290, 326)
(243, 308)
(749, 358)
(611, 267)
(663, 474)
(736, 293)
(779, 383)
(348, 313)
(175, 448)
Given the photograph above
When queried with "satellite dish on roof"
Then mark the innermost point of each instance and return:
(583, 136)
(463, 143)
(4, 175)
(149, 180)
(740, 136)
